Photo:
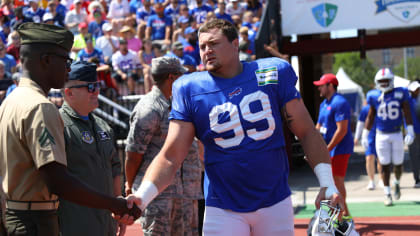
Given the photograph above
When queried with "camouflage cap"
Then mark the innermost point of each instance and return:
(43, 33)
(161, 65)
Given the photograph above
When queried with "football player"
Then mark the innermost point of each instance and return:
(236, 109)
(389, 108)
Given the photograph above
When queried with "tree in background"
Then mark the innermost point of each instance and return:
(413, 68)
(361, 71)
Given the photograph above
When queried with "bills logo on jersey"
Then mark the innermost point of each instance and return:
(324, 13)
(267, 76)
(404, 10)
(235, 92)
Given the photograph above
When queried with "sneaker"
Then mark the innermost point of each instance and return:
(388, 200)
(397, 192)
(417, 184)
(371, 185)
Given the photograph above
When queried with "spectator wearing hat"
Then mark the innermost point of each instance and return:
(221, 11)
(80, 39)
(186, 60)
(199, 13)
(148, 129)
(159, 25)
(95, 26)
(75, 17)
(142, 16)
(87, 134)
(90, 51)
(126, 66)
(414, 148)
(107, 43)
(95, 6)
(48, 18)
(38, 165)
(34, 12)
(134, 43)
(191, 45)
(334, 125)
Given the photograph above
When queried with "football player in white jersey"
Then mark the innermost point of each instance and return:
(236, 109)
(389, 108)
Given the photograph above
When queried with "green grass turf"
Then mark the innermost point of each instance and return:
(370, 209)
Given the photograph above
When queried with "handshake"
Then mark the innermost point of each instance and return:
(126, 210)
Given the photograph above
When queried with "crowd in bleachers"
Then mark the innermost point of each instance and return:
(123, 36)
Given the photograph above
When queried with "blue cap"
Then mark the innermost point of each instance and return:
(189, 30)
(83, 71)
(182, 19)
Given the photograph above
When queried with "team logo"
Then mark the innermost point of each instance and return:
(324, 13)
(235, 92)
(104, 135)
(86, 137)
(404, 10)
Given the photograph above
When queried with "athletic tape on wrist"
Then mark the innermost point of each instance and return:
(365, 133)
(146, 192)
(410, 130)
(323, 172)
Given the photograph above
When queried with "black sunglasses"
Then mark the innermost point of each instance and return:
(67, 58)
(91, 87)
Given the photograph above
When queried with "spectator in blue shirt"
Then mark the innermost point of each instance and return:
(142, 16)
(159, 25)
(172, 10)
(58, 12)
(34, 12)
(90, 51)
(186, 60)
(220, 12)
(95, 27)
(8, 60)
(200, 12)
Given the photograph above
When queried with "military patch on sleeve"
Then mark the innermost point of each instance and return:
(46, 138)
(104, 135)
(267, 76)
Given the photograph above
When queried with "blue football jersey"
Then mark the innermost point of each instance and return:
(239, 122)
(389, 115)
(332, 111)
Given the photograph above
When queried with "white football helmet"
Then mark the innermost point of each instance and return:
(384, 80)
(325, 222)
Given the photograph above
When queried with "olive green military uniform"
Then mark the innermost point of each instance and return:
(92, 158)
(148, 130)
(31, 136)
(192, 191)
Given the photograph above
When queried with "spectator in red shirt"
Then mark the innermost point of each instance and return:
(14, 47)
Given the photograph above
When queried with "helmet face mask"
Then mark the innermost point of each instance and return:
(326, 223)
(384, 80)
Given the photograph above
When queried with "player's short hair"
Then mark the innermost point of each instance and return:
(227, 28)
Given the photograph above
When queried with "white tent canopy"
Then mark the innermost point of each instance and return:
(400, 82)
(346, 86)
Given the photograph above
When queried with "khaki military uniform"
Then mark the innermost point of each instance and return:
(31, 136)
(92, 158)
(191, 185)
(148, 130)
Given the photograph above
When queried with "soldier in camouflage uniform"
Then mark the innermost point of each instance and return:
(148, 129)
(191, 184)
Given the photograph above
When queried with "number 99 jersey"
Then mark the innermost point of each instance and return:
(239, 122)
(389, 116)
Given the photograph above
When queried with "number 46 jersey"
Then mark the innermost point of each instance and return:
(389, 115)
(239, 122)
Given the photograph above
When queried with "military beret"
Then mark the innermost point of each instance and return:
(43, 33)
(83, 71)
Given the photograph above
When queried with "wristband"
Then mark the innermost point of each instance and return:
(365, 133)
(146, 192)
(323, 172)
(410, 130)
